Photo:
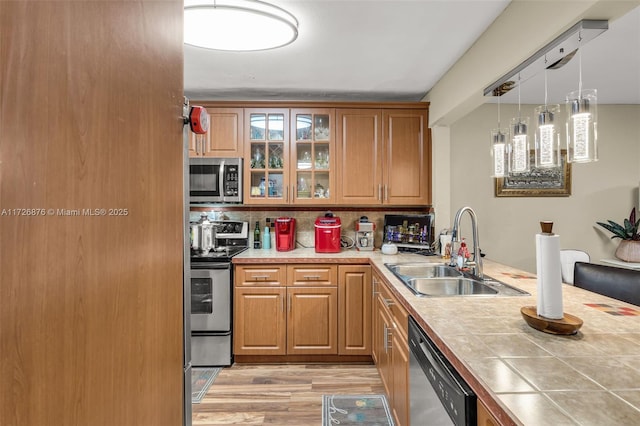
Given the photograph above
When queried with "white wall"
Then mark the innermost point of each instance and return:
(607, 189)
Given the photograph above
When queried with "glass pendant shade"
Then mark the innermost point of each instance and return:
(547, 139)
(499, 152)
(519, 150)
(582, 125)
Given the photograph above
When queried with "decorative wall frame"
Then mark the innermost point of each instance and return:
(538, 182)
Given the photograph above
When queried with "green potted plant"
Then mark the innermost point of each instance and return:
(629, 248)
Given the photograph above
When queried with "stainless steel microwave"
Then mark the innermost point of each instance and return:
(215, 180)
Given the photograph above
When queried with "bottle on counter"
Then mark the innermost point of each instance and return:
(256, 236)
(266, 238)
(463, 254)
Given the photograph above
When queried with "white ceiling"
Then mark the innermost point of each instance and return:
(393, 50)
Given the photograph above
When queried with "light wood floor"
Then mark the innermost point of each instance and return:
(280, 394)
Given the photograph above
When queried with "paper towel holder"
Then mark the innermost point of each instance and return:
(569, 324)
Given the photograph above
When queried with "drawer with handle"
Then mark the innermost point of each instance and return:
(315, 275)
(271, 275)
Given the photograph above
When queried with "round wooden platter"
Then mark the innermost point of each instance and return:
(569, 324)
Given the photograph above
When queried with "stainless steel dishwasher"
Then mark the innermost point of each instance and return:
(438, 396)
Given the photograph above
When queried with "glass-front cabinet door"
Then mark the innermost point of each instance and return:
(266, 156)
(312, 152)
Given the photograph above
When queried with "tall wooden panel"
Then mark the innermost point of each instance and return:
(91, 213)
(354, 310)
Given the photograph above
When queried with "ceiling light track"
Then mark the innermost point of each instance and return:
(556, 53)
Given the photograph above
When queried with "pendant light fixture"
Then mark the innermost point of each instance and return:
(519, 149)
(582, 136)
(547, 140)
(499, 149)
(237, 25)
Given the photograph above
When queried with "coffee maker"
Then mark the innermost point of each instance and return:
(364, 234)
(285, 233)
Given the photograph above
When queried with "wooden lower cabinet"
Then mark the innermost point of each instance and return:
(400, 372)
(390, 349)
(354, 310)
(312, 320)
(381, 344)
(286, 310)
(484, 417)
(259, 321)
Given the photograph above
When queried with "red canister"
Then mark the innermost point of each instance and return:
(327, 234)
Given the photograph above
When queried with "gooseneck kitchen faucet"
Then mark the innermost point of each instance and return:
(455, 238)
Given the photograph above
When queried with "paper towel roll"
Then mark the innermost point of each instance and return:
(549, 276)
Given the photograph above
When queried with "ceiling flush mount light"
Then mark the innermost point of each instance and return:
(238, 25)
(499, 150)
(582, 125)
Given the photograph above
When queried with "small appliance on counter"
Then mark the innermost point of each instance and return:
(410, 232)
(328, 234)
(285, 233)
(364, 234)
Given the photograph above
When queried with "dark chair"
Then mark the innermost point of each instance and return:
(618, 283)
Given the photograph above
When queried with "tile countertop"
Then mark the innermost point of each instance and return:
(524, 376)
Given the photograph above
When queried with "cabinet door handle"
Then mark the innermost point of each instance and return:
(388, 302)
(312, 277)
(390, 343)
(374, 284)
(282, 304)
(286, 193)
(260, 277)
(386, 192)
(386, 339)
(289, 304)
(379, 192)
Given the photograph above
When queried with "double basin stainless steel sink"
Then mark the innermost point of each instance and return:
(440, 280)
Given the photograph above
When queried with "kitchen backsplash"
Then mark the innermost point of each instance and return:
(305, 220)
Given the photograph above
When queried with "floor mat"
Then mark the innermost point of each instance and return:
(201, 379)
(369, 410)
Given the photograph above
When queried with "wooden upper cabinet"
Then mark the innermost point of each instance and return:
(383, 157)
(225, 135)
(312, 156)
(266, 156)
(359, 155)
(407, 153)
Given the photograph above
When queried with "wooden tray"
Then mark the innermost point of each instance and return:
(569, 324)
